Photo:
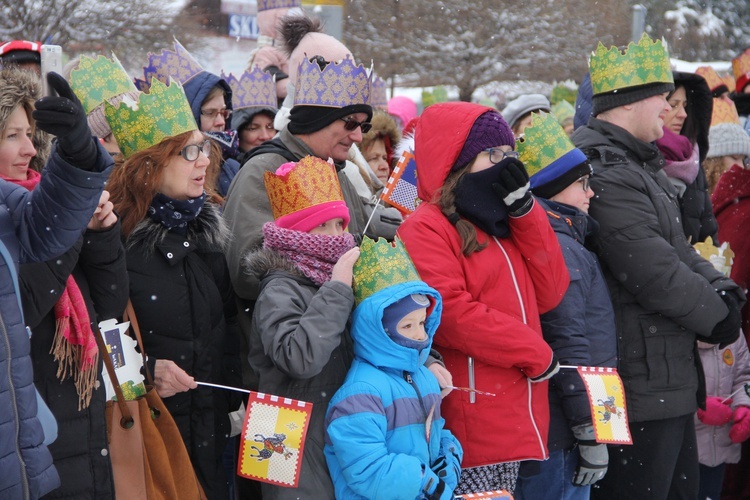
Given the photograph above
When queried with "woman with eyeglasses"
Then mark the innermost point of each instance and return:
(179, 285)
(485, 244)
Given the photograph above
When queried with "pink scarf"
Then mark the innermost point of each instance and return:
(314, 255)
(74, 346)
(681, 156)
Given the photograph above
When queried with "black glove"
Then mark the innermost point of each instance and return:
(727, 330)
(63, 116)
(513, 187)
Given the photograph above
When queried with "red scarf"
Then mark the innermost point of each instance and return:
(74, 346)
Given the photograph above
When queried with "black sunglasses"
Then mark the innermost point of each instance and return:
(351, 124)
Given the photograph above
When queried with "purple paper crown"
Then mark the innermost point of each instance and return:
(254, 89)
(336, 86)
(379, 98)
(277, 4)
(179, 65)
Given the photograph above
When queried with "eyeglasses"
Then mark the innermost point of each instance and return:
(350, 124)
(497, 155)
(211, 113)
(191, 151)
(585, 184)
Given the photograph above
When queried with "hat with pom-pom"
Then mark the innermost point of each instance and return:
(489, 130)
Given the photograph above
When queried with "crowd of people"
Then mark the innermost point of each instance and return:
(241, 215)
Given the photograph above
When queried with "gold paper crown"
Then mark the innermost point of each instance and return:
(311, 182)
(640, 64)
(336, 86)
(741, 65)
(543, 142)
(381, 264)
(162, 113)
(721, 257)
(724, 112)
(98, 80)
(730, 83)
(712, 78)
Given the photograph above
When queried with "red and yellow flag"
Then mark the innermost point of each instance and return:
(607, 399)
(273, 439)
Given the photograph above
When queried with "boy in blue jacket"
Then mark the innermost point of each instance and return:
(384, 433)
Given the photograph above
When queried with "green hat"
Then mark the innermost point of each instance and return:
(563, 111)
(566, 91)
(381, 264)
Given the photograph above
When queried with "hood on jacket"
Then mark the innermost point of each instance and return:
(438, 139)
(198, 87)
(733, 185)
(261, 262)
(700, 104)
(565, 219)
(372, 343)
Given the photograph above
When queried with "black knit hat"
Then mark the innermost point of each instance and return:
(628, 95)
(309, 119)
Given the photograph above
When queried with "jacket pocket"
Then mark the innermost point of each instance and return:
(669, 355)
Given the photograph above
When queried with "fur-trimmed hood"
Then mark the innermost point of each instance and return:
(259, 263)
(208, 231)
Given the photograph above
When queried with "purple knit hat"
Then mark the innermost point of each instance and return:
(489, 130)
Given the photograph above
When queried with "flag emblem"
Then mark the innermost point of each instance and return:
(607, 399)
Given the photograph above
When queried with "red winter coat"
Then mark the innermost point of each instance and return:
(731, 201)
(487, 299)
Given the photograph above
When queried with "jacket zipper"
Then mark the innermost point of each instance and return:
(410, 381)
(14, 405)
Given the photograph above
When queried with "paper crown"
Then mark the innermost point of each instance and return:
(563, 110)
(741, 69)
(98, 80)
(722, 257)
(178, 65)
(277, 4)
(158, 115)
(640, 64)
(545, 144)
(254, 89)
(336, 86)
(379, 97)
(724, 112)
(312, 182)
(566, 91)
(381, 264)
(712, 78)
(730, 83)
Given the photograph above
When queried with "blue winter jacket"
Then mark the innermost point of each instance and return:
(377, 444)
(34, 226)
(581, 329)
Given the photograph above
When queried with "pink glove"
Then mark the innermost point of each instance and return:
(716, 413)
(740, 430)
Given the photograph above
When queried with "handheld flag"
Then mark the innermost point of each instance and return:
(273, 439)
(487, 495)
(401, 189)
(607, 399)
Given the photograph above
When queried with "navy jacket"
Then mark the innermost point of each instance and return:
(34, 226)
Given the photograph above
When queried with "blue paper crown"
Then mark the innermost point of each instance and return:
(336, 86)
(254, 89)
(178, 65)
(379, 97)
(277, 4)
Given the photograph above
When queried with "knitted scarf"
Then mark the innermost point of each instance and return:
(32, 179)
(74, 346)
(681, 156)
(175, 214)
(314, 255)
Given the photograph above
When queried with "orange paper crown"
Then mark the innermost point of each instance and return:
(741, 69)
(729, 81)
(712, 78)
(724, 112)
(312, 182)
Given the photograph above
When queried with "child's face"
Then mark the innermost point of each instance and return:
(578, 194)
(411, 326)
(333, 227)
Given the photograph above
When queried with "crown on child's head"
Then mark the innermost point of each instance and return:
(724, 111)
(253, 89)
(310, 182)
(179, 65)
(640, 64)
(338, 85)
(158, 115)
(543, 143)
(98, 80)
(277, 4)
(381, 264)
(379, 96)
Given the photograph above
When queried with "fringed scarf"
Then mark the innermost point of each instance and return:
(74, 346)
(314, 255)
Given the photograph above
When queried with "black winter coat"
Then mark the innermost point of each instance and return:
(183, 299)
(80, 453)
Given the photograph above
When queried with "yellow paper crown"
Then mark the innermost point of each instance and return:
(712, 78)
(381, 264)
(724, 112)
(543, 143)
(311, 182)
(741, 65)
(98, 80)
(640, 64)
(721, 257)
(162, 113)
(730, 83)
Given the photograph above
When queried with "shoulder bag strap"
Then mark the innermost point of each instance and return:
(112, 375)
(130, 316)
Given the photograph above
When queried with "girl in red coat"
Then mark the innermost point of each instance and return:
(485, 244)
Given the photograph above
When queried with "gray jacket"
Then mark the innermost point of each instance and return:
(300, 348)
(664, 294)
